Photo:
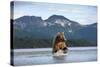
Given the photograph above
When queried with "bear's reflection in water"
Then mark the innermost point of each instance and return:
(59, 59)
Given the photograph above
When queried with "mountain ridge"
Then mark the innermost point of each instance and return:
(28, 30)
(54, 24)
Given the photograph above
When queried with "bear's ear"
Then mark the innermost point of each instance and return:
(58, 33)
(62, 32)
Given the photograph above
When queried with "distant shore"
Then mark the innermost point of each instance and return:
(49, 49)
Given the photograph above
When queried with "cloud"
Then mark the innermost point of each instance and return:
(65, 10)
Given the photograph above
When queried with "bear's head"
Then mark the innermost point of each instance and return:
(60, 37)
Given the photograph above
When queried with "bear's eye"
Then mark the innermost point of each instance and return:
(60, 48)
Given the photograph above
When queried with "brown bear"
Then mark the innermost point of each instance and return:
(59, 43)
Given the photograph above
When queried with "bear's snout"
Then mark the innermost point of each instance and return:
(65, 48)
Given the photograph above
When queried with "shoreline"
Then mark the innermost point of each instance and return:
(50, 49)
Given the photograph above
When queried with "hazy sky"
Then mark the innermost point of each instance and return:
(82, 14)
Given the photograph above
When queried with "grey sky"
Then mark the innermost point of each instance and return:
(80, 13)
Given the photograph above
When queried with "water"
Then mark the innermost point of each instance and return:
(44, 56)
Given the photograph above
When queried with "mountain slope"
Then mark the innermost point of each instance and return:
(34, 30)
(37, 27)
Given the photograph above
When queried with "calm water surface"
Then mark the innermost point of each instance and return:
(44, 56)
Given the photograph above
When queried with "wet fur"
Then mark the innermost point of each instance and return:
(59, 43)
